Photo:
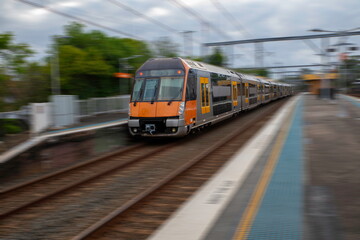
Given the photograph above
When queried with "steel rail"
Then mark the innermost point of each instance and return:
(97, 175)
(74, 167)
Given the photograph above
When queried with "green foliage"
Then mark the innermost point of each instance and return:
(5, 40)
(10, 126)
(35, 83)
(258, 72)
(349, 72)
(216, 58)
(14, 55)
(88, 61)
(13, 69)
(164, 47)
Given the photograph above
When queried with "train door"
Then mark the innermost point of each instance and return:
(239, 91)
(234, 91)
(246, 95)
(204, 101)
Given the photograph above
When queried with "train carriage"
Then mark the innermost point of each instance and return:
(172, 96)
(265, 91)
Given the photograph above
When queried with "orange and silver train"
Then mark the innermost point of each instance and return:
(173, 96)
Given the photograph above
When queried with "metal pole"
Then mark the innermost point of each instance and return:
(323, 91)
(119, 78)
(55, 72)
(184, 43)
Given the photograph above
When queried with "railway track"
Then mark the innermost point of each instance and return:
(135, 197)
(21, 196)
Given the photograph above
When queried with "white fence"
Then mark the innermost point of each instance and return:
(94, 106)
(65, 110)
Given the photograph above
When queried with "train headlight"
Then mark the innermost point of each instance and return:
(181, 108)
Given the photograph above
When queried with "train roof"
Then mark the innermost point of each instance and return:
(208, 67)
(165, 63)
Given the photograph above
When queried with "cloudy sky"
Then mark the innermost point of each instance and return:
(245, 19)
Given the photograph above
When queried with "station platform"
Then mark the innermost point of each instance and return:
(287, 182)
(88, 124)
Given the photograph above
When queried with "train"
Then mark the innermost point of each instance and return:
(172, 97)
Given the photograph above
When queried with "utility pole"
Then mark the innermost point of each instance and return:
(188, 45)
(204, 31)
(259, 54)
(55, 68)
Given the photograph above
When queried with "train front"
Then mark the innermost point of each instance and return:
(157, 102)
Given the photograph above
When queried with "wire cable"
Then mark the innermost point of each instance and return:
(139, 14)
(78, 19)
(198, 17)
(230, 17)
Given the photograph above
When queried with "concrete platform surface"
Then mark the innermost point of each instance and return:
(300, 181)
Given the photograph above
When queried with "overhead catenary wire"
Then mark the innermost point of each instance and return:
(233, 21)
(78, 18)
(150, 19)
(139, 14)
(229, 17)
(198, 17)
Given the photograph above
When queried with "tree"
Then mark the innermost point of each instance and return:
(164, 47)
(258, 72)
(13, 55)
(36, 83)
(13, 69)
(349, 72)
(216, 58)
(88, 61)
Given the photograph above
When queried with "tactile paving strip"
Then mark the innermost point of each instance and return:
(280, 215)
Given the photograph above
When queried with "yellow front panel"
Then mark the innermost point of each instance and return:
(163, 109)
(147, 109)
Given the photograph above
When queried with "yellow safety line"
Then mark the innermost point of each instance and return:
(251, 210)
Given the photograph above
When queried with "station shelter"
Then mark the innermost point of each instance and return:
(320, 84)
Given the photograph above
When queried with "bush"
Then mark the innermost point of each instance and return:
(12, 129)
(10, 126)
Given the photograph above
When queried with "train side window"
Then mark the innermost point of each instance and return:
(191, 87)
(239, 89)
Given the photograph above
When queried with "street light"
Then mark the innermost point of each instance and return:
(55, 69)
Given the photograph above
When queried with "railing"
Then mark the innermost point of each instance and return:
(85, 108)
(94, 106)
(23, 114)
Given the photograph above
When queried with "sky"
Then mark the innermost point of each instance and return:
(229, 20)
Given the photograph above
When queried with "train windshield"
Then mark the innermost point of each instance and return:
(137, 89)
(158, 89)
